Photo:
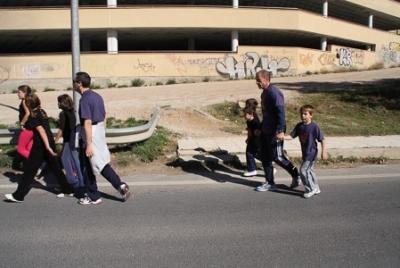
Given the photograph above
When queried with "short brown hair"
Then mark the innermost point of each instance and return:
(307, 108)
(249, 110)
(251, 103)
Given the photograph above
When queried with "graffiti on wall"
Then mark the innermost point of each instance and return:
(349, 57)
(206, 65)
(327, 59)
(178, 63)
(28, 70)
(250, 65)
(50, 67)
(145, 67)
(4, 73)
(390, 54)
(306, 59)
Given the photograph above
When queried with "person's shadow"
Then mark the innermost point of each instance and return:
(223, 167)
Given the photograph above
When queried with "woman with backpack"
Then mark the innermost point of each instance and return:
(69, 155)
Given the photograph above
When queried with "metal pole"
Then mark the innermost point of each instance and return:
(75, 48)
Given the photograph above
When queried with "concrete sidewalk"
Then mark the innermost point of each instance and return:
(229, 149)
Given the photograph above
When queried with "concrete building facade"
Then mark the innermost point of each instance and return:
(121, 40)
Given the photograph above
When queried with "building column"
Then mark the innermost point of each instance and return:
(370, 20)
(192, 44)
(235, 3)
(323, 43)
(235, 40)
(112, 42)
(325, 8)
(111, 3)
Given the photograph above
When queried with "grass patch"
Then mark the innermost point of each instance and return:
(124, 155)
(146, 151)
(361, 112)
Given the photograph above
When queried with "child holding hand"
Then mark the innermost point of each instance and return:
(309, 133)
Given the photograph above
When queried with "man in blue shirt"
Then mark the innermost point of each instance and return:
(95, 153)
(273, 127)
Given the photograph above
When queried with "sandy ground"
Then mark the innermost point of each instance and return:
(182, 104)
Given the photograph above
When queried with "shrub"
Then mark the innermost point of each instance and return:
(94, 86)
(171, 81)
(121, 86)
(376, 66)
(137, 82)
(112, 85)
(159, 83)
(46, 89)
(206, 79)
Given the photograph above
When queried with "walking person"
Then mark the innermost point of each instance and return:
(69, 154)
(95, 157)
(309, 133)
(273, 127)
(252, 141)
(25, 139)
(43, 148)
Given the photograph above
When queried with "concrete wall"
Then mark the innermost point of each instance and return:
(55, 71)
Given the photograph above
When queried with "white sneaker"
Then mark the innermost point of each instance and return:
(62, 195)
(124, 191)
(317, 191)
(88, 201)
(11, 198)
(250, 173)
(266, 187)
(308, 194)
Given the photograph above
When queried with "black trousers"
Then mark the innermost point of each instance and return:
(36, 156)
(271, 150)
(90, 179)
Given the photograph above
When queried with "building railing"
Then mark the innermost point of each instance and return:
(113, 136)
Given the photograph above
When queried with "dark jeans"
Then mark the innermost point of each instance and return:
(271, 150)
(35, 159)
(90, 179)
(251, 156)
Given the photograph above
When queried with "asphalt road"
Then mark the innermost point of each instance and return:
(210, 219)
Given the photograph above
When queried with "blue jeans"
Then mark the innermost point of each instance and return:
(251, 156)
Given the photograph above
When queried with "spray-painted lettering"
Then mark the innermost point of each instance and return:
(145, 67)
(177, 61)
(250, 65)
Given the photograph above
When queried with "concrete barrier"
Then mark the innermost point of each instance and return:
(113, 136)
